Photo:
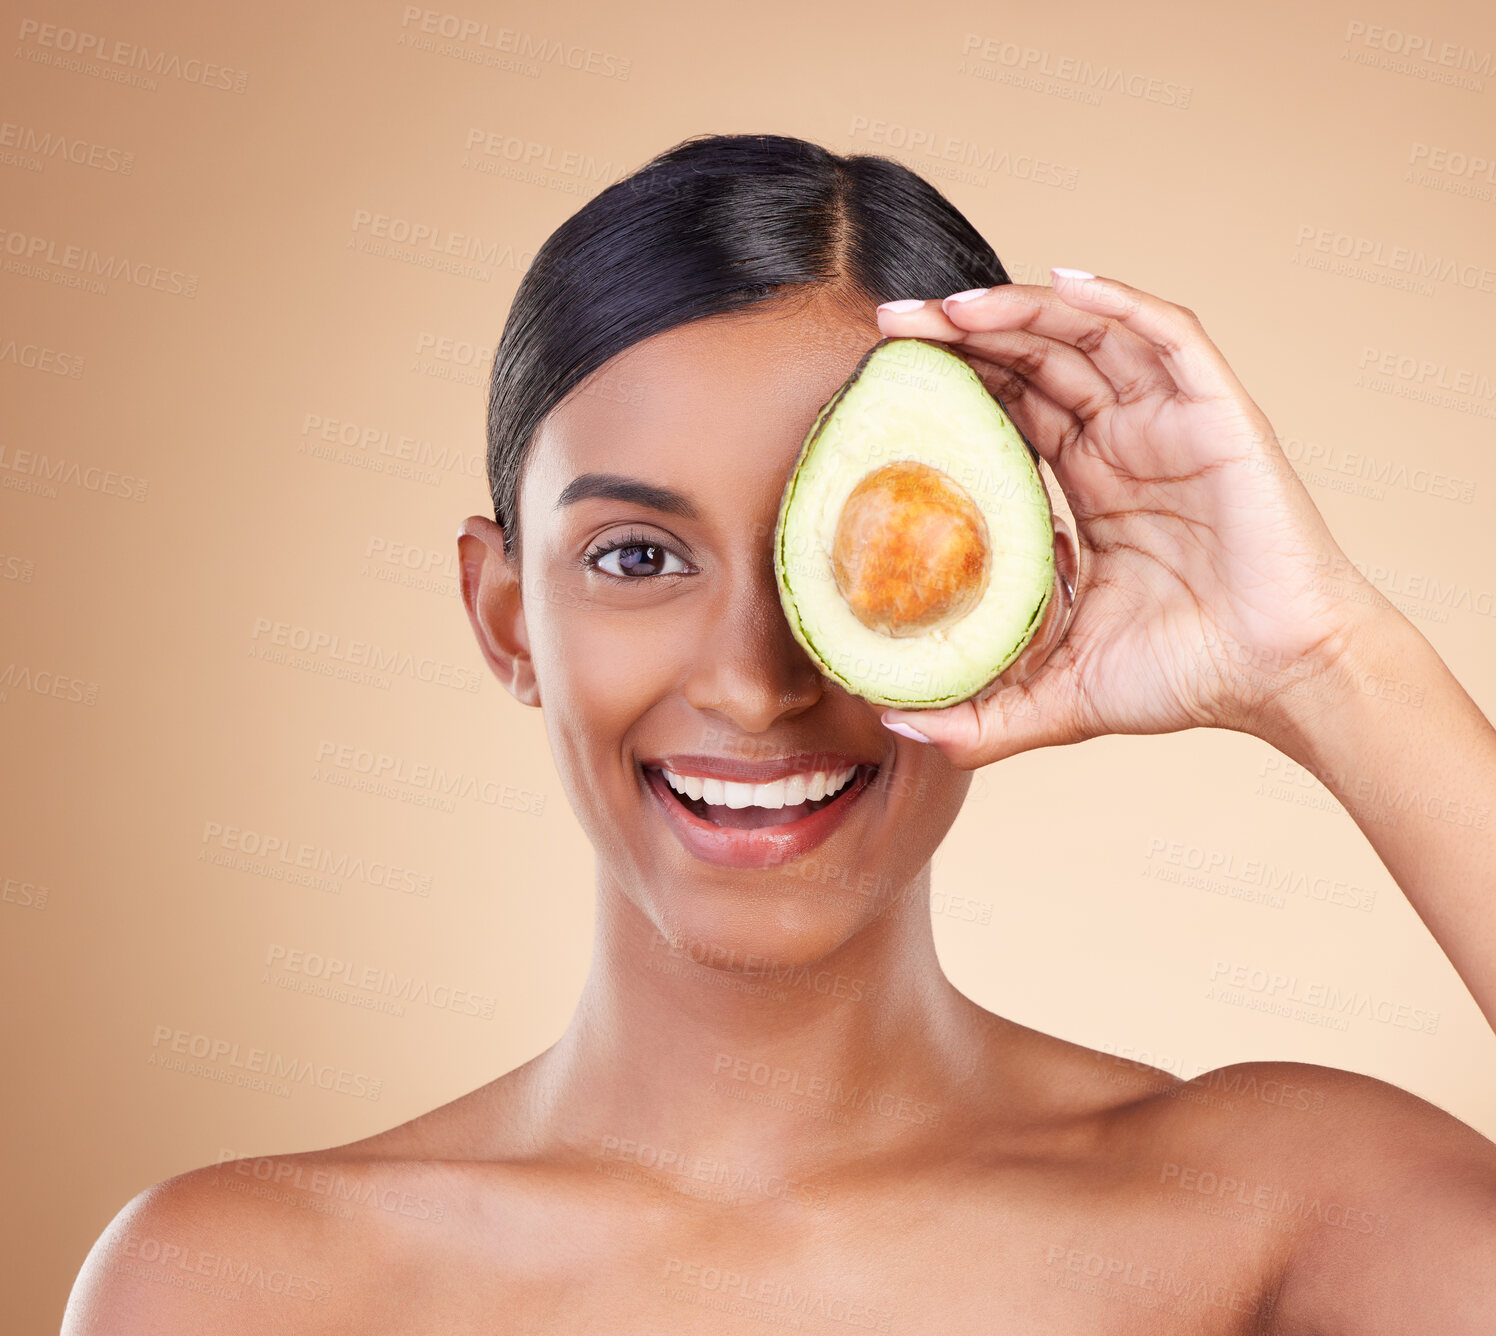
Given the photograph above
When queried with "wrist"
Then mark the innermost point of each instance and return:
(1375, 658)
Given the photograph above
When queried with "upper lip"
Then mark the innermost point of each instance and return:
(752, 772)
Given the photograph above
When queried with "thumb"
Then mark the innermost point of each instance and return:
(1031, 704)
(998, 724)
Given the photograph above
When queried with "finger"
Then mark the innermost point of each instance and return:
(1173, 332)
(1026, 707)
(1122, 359)
(1037, 713)
(918, 318)
(1049, 426)
(1064, 373)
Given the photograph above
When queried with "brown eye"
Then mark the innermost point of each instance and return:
(630, 560)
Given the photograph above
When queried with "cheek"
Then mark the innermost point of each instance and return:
(599, 673)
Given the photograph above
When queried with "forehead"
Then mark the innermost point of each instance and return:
(720, 403)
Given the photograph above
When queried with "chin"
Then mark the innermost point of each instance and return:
(782, 927)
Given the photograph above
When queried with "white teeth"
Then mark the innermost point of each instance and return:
(737, 795)
(788, 792)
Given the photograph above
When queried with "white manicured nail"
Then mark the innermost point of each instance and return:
(905, 731)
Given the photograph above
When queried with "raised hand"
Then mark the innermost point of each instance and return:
(1202, 592)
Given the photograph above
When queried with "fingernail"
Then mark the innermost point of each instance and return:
(1071, 273)
(902, 305)
(967, 295)
(904, 731)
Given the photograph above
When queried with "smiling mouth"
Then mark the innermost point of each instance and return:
(753, 817)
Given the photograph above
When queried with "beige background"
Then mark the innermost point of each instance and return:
(172, 718)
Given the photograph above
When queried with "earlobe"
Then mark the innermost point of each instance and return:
(492, 596)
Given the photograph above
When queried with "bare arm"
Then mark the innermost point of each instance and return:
(1216, 594)
(1391, 733)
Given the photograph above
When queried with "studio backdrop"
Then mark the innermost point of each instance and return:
(262, 795)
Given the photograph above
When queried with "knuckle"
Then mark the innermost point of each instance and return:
(1006, 383)
(1073, 434)
(1029, 360)
(1089, 340)
(1135, 388)
(1093, 403)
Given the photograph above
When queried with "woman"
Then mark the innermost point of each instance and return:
(770, 1104)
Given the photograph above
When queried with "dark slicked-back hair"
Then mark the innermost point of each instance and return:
(711, 226)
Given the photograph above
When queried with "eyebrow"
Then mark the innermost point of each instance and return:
(617, 487)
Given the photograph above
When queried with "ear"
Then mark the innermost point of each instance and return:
(491, 594)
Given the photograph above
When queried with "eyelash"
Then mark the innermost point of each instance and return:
(596, 553)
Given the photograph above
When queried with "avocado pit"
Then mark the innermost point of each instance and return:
(911, 552)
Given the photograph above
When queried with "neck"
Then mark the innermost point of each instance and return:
(770, 1064)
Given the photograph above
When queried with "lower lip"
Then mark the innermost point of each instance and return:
(766, 846)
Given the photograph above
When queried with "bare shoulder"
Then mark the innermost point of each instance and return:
(300, 1242)
(1364, 1208)
(491, 1123)
(185, 1256)
(1057, 1078)
(288, 1243)
(1387, 1202)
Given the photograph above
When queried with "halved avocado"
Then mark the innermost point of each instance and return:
(914, 548)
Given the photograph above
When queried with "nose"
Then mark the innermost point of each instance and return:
(749, 670)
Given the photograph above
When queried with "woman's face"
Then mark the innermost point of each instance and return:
(674, 652)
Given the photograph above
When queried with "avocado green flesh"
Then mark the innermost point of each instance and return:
(916, 400)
